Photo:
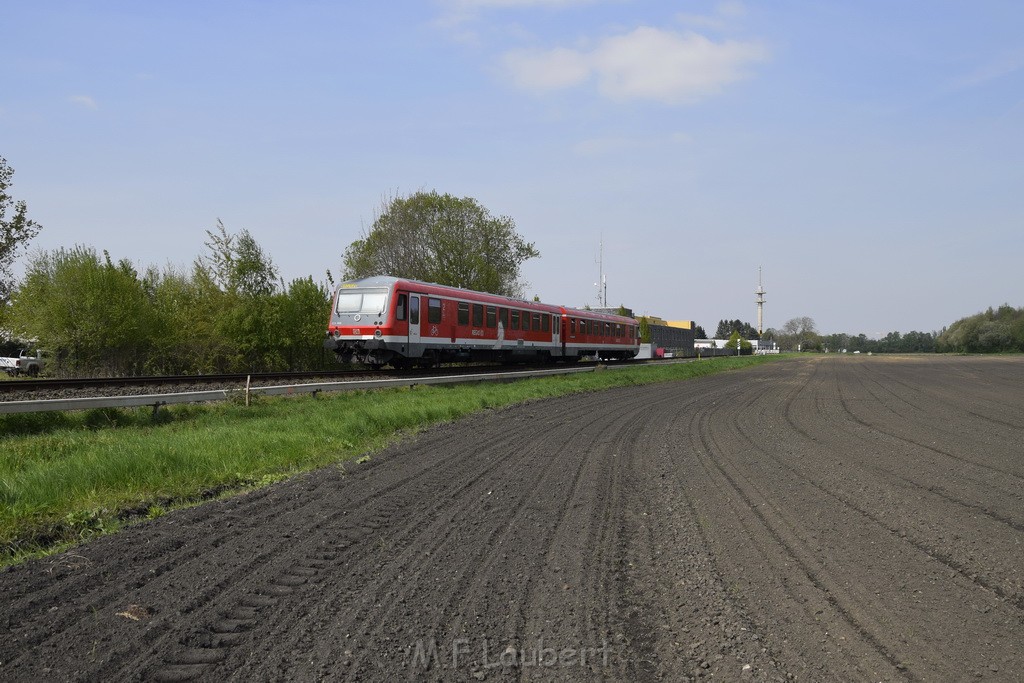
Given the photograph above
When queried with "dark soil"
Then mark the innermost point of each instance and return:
(833, 518)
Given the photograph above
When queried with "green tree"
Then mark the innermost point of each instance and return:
(240, 279)
(992, 331)
(735, 339)
(304, 309)
(645, 330)
(444, 239)
(797, 333)
(92, 314)
(727, 327)
(187, 338)
(237, 263)
(16, 230)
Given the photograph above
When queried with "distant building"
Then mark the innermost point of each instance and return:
(618, 310)
(759, 347)
(671, 336)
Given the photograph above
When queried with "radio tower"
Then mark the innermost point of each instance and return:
(760, 303)
(602, 284)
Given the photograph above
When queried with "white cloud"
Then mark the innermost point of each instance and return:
(653, 64)
(547, 70)
(84, 101)
(645, 64)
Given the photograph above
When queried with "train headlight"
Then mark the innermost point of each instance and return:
(378, 334)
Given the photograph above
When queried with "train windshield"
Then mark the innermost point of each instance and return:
(367, 301)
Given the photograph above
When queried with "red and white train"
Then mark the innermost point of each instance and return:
(387, 320)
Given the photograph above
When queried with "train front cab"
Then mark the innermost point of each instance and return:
(365, 322)
(405, 323)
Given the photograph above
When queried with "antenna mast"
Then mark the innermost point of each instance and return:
(760, 303)
(602, 283)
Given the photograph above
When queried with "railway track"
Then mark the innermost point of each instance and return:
(259, 378)
(228, 379)
(66, 394)
(164, 380)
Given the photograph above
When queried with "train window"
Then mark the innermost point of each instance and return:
(478, 315)
(433, 310)
(572, 325)
(607, 329)
(492, 316)
(414, 310)
(545, 322)
(526, 320)
(366, 301)
(503, 317)
(515, 320)
(463, 313)
(536, 322)
(400, 307)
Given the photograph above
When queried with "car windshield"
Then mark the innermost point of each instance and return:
(368, 301)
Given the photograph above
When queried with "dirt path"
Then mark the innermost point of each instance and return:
(820, 519)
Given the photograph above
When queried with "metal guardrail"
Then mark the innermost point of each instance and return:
(157, 400)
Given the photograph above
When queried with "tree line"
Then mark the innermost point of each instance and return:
(996, 330)
(229, 313)
(727, 327)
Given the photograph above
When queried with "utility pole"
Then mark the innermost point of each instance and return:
(602, 283)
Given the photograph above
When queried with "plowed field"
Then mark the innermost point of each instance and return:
(829, 518)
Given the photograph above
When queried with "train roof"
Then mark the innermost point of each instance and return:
(485, 297)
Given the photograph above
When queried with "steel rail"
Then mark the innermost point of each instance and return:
(160, 380)
(157, 400)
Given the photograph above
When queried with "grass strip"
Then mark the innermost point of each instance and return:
(66, 477)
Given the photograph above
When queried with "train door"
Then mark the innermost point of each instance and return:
(414, 325)
(564, 328)
(556, 328)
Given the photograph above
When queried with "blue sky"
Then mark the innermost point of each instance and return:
(869, 155)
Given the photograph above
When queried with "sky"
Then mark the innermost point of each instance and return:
(867, 155)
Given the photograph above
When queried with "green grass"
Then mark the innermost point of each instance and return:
(65, 477)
